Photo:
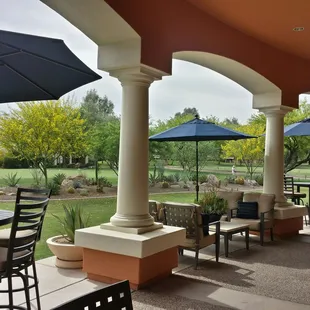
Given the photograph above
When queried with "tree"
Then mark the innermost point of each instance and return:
(94, 109)
(187, 111)
(104, 143)
(296, 150)
(249, 151)
(165, 150)
(231, 122)
(40, 132)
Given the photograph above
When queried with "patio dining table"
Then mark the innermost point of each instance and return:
(6, 217)
(302, 184)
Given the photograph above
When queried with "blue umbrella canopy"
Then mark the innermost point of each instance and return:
(38, 68)
(199, 130)
(301, 128)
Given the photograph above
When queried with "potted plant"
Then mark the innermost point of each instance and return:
(62, 246)
(213, 207)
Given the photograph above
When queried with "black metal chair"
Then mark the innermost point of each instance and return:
(17, 254)
(113, 297)
(290, 192)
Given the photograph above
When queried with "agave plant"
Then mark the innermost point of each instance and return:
(72, 220)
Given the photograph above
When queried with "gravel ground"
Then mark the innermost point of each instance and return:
(280, 269)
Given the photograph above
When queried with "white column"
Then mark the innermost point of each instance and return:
(274, 153)
(133, 178)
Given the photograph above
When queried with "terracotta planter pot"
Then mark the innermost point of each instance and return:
(68, 255)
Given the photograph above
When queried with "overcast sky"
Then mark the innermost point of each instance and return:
(189, 86)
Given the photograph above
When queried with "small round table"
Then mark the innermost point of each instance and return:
(6, 217)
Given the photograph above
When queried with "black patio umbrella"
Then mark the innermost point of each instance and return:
(38, 68)
(198, 130)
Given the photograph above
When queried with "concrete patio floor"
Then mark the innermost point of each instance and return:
(180, 291)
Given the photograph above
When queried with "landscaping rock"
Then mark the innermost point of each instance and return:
(67, 183)
(2, 193)
(250, 183)
(213, 181)
(175, 186)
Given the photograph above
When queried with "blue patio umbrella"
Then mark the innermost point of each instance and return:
(198, 130)
(301, 128)
(38, 68)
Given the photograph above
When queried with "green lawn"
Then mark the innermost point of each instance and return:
(221, 171)
(27, 179)
(100, 211)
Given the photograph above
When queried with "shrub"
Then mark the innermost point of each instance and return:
(154, 177)
(54, 187)
(177, 176)
(77, 184)
(259, 178)
(58, 178)
(84, 192)
(104, 182)
(169, 178)
(230, 179)
(37, 177)
(73, 219)
(165, 184)
(239, 180)
(91, 181)
(203, 178)
(70, 190)
(11, 179)
(14, 163)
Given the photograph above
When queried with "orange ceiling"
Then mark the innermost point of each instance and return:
(271, 21)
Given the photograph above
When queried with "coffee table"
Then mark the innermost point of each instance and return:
(227, 229)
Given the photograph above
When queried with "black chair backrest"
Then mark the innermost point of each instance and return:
(289, 184)
(28, 195)
(27, 222)
(113, 297)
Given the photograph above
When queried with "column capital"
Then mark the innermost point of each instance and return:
(276, 111)
(139, 75)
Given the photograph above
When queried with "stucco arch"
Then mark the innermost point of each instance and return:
(96, 19)
(239, 73)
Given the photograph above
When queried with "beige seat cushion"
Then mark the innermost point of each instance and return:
(3, 256)
(231, 197)
(5, 236)
(265, 202)
(249, 197)
(253, 224)
(204, 241)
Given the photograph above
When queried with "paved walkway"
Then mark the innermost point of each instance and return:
(177, 292)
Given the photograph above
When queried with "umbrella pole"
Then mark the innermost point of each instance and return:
(197, 186)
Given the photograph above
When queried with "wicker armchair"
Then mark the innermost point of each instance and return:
(189, 217)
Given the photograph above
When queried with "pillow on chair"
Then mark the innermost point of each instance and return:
(247, 210)
(205, 223)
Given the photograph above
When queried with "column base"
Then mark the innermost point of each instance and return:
(131, 230)
(110, 256)
(110, 268)
(288, 220)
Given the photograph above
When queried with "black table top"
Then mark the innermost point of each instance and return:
(6, 217)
